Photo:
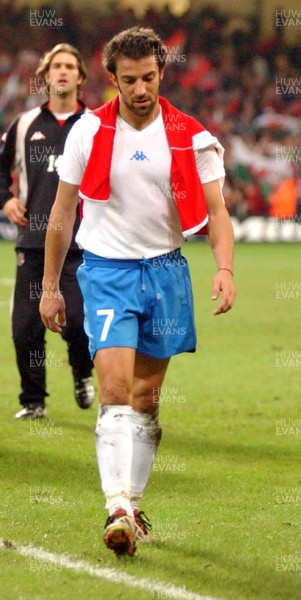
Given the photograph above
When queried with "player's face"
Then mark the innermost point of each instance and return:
(138, 82)
(63, 76)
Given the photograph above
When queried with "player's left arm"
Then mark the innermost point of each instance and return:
(222, 243)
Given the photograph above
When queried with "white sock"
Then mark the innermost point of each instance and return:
(146, 435)
(114, 448)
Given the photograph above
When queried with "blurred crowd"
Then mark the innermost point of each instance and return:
(245, 89)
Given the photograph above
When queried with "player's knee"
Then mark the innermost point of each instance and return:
(115, 391)
(147, 401)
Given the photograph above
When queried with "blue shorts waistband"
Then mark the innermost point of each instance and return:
(91, 259)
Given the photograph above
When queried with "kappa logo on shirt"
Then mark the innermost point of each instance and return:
(37, 135)
(139, 156)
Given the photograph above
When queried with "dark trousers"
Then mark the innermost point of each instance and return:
(29, 331)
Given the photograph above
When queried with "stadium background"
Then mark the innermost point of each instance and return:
(237, 71)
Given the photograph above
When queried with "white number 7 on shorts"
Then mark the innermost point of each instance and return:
(109, 313)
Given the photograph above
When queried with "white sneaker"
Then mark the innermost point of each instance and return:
(32, 411)
(143, 527)
(84, 391)
(119, 533)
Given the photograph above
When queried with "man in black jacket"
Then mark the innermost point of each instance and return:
(34, 145)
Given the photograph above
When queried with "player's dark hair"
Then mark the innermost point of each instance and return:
(135, 43)
(47, 58)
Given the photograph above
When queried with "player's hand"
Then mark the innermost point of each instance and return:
(52, 310)
(14, 212)
(223, 284)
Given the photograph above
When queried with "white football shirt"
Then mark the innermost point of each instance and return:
(140, 219)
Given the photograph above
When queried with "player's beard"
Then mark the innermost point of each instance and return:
(56, 89)
(141, 111)
(61, 92)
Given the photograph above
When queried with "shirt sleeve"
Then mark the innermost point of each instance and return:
(210, 165)
(77, 149)
(209, 156)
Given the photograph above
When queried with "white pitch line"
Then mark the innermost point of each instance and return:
(6, 281)
(113, 575)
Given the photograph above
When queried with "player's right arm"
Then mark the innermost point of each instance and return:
(61, 222)
(58, 239)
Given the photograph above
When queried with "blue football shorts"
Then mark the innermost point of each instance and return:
(144, 304)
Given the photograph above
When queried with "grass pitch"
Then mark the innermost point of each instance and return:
(225, 493)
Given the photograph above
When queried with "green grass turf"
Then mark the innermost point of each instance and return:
(222, 525)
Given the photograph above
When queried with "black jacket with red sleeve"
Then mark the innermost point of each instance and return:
(34, 144)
